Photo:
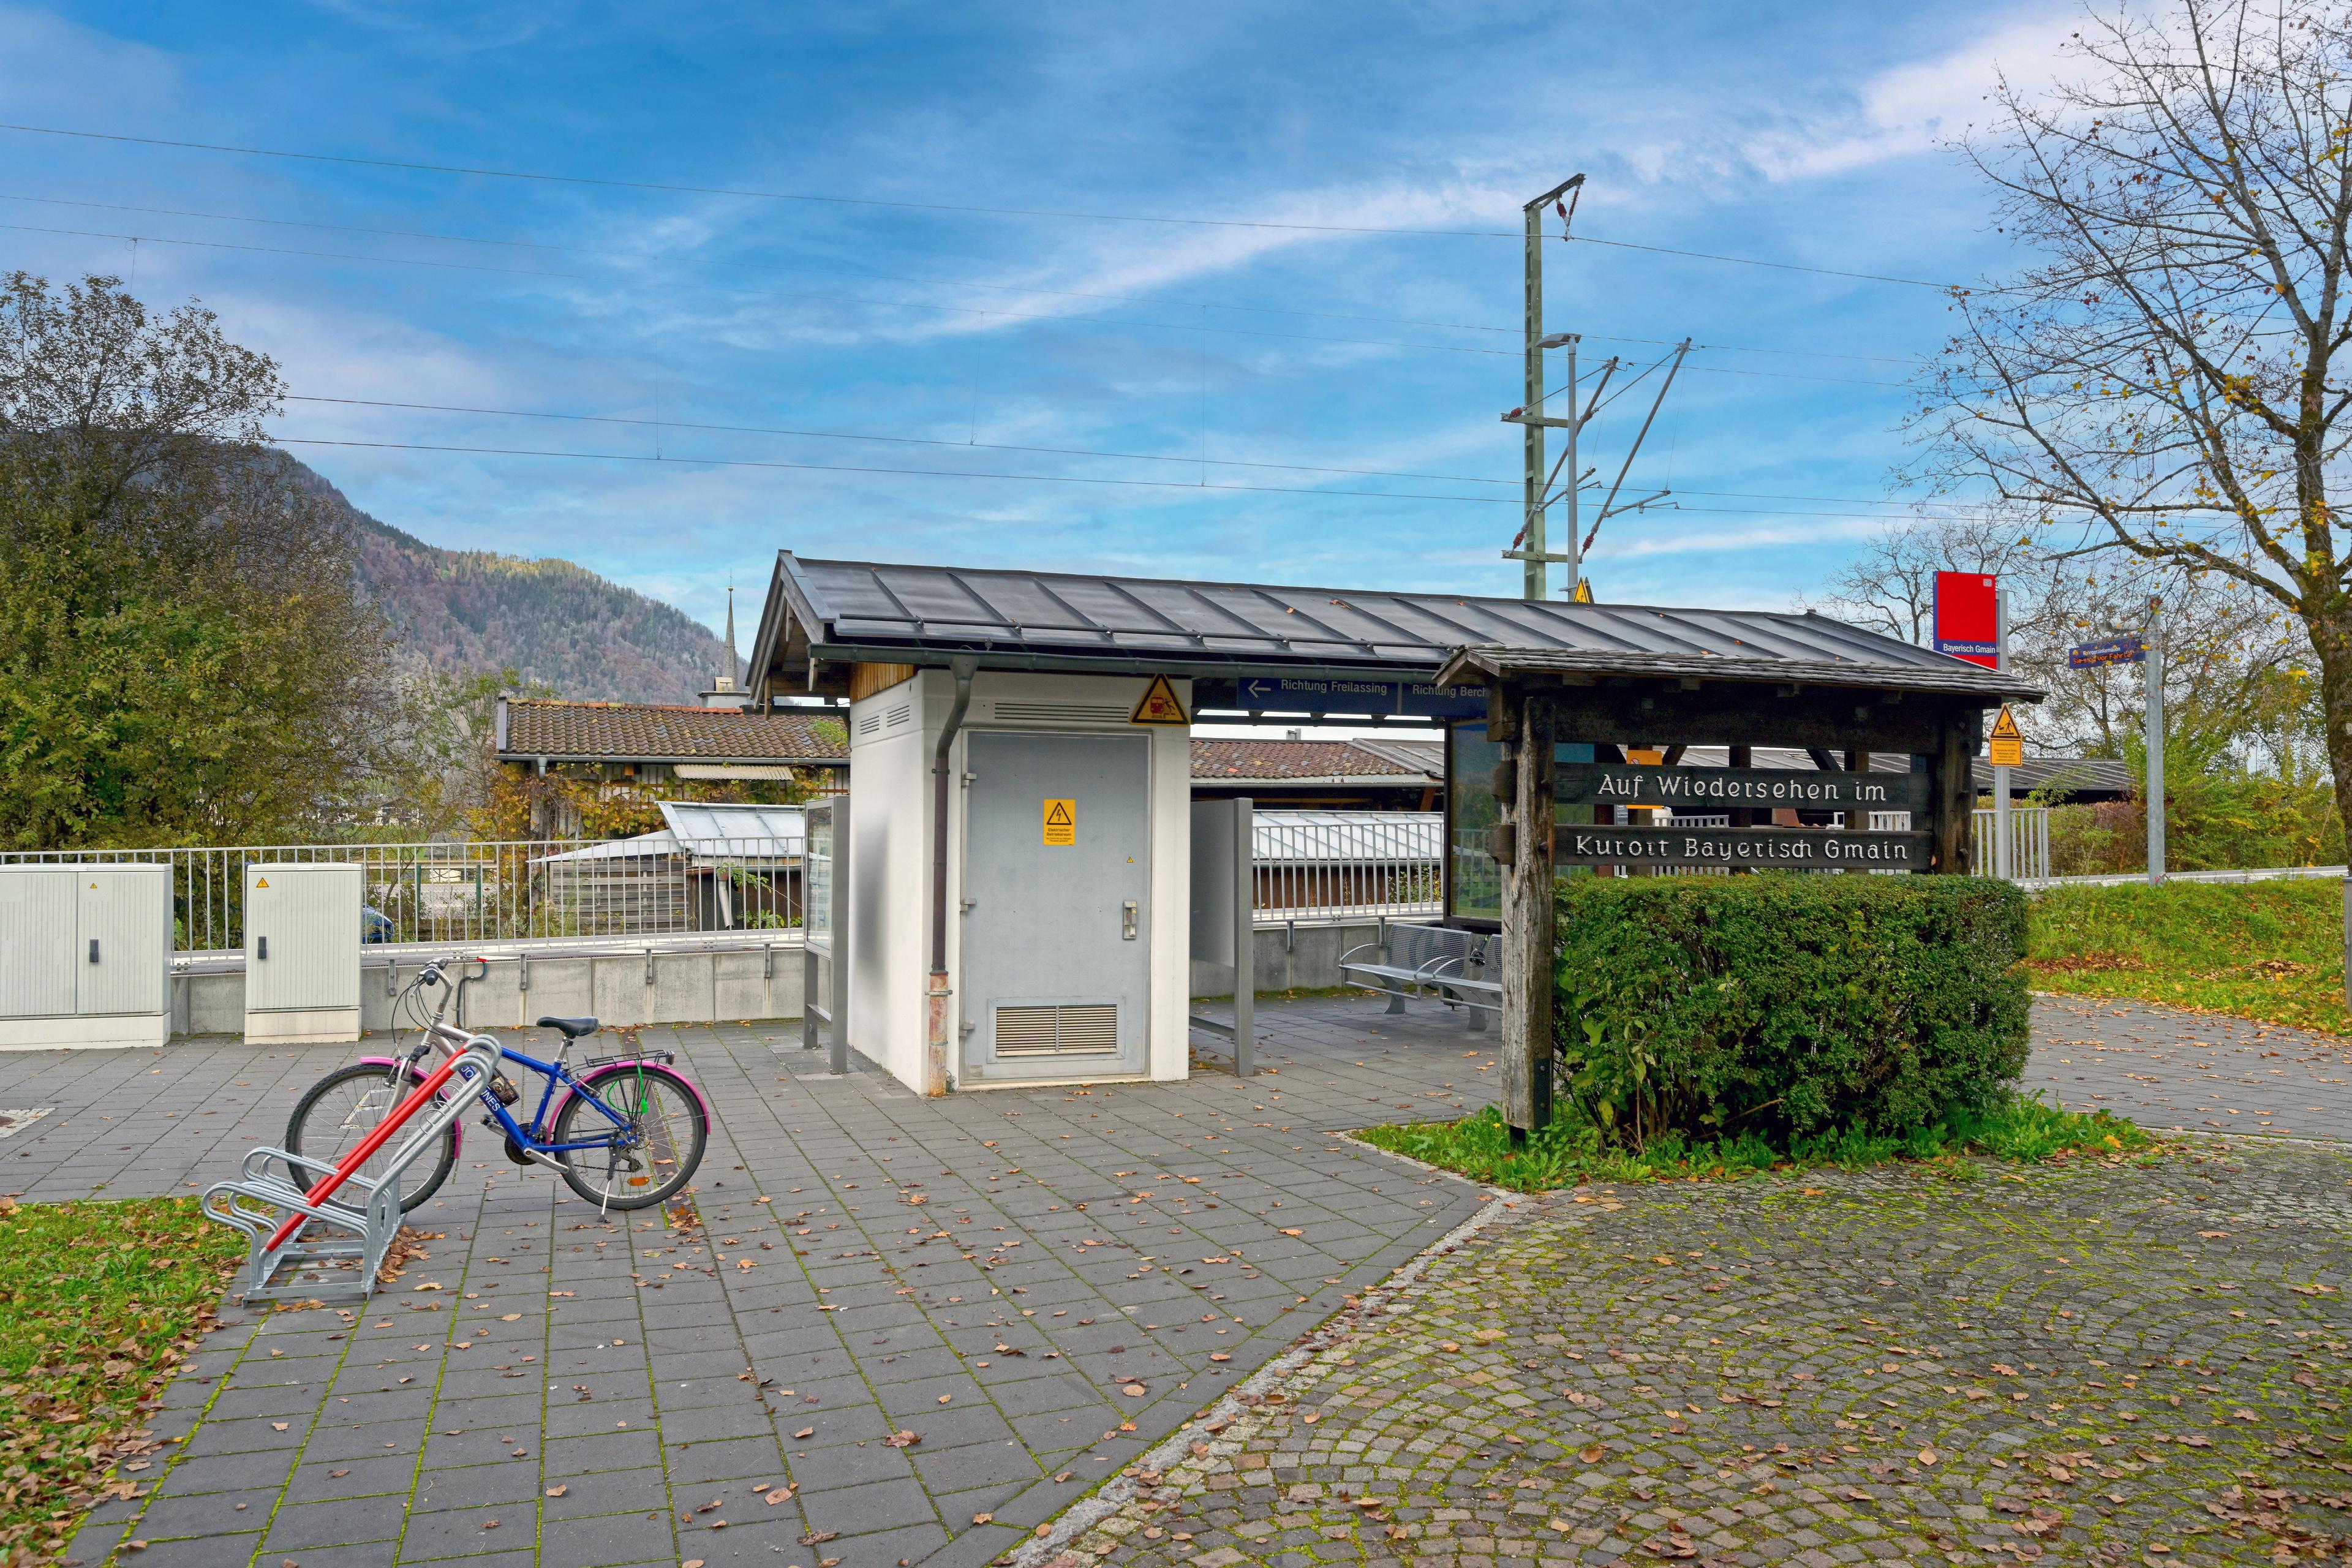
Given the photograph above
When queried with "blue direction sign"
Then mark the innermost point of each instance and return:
(2107, 650)
(1289, 694)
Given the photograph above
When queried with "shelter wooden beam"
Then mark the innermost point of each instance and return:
(1953, 791)
(1752, 716)
(1527, 913)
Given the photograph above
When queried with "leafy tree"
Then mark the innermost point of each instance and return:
(183, 657)
(2158, 386)
(444, 770)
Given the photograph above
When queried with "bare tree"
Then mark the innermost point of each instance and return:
(2157, 384)
(1890, 585)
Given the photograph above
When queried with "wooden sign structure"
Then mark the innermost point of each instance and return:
(1718, 789)
(1841, 713)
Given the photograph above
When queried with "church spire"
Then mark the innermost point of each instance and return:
(727, 690)
(734, 670)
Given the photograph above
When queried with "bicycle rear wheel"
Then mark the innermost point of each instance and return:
(638, 1165)
(344, 1107)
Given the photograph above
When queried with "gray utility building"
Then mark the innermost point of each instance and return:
(1019, 863)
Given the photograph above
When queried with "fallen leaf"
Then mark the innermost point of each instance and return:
(1595, 1454)
(1219, 1356)
(278, 1425)
(981, 1517)
(1133, 1391)
(509, 1317)
(1926, 1456)
(805, 1432)
(557, 1491)
(901, 1440)
(1294, 1233)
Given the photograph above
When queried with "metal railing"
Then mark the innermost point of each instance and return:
(519, 889)
(2029, 828)
(1343, 865)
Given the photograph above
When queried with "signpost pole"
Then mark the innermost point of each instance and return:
(2153, 672)
(2004, 862)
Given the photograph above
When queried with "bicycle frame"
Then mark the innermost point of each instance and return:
(558, 1075)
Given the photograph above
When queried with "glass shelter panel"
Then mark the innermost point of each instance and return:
(1474, 883)
(817, 902)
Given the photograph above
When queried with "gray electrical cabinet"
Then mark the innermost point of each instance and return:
(301, 953)
(84, 956)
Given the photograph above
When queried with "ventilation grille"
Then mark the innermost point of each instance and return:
(874, 724)
(1086, 1030)
(1062, 712)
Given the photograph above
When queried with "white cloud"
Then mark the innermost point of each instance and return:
(1909, 108)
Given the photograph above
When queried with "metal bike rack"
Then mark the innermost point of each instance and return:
(346, 1234)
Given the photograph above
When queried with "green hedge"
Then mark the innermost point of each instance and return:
(1784, 1004)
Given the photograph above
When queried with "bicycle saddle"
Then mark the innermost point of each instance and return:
(573, 1027)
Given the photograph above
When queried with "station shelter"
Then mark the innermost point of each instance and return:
(1020, 861)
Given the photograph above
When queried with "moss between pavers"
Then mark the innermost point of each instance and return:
(2081, 1364)
(99, 1303)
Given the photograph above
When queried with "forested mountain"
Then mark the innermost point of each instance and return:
(461, 611)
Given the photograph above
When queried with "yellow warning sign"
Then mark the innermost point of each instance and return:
(260, 882)
(1061, 824)
(1584, 595)
(1159, 705)
(2008, 744)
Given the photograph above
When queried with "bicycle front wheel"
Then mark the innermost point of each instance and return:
(644, 1148)
(343, 1107)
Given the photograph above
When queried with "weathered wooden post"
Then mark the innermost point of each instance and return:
(1523, 722)
(1953, 791)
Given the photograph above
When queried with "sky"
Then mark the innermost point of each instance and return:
(903, 282)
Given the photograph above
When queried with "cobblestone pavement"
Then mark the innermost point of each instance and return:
(1033, 1284)
(2174, 1071)
(2086, 1364)
(401, 1433)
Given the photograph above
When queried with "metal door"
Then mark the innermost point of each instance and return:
(36, 943)
(122, 938)
(1057, 874)
(302, 937)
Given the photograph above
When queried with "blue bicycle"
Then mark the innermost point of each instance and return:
(625, 1132)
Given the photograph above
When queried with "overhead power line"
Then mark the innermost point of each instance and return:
(1097, 321)
(533, 176)
(908, 277)
(644, 422)
(740, 265)
(677, 461)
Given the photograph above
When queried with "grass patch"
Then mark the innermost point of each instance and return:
(1569, 1152)
(2272, 950)
(99, 1301)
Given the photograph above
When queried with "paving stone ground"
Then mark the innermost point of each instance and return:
(646, 1372)
(2094, 1364)
(2191, 1071)
(1037, 1283)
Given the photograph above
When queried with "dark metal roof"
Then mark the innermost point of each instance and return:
(856, 611)
(1807, 658)
(2070, 778)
